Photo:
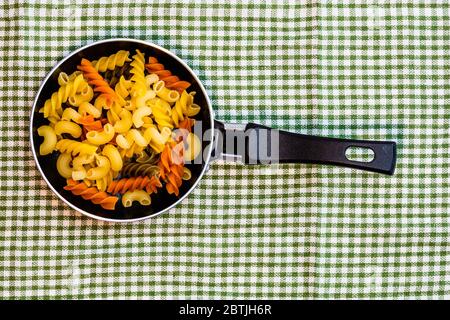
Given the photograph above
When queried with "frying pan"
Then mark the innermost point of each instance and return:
(248, 141)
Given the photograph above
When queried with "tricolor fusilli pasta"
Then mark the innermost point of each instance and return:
(113, 122)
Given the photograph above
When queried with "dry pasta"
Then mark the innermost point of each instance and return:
(113, 123)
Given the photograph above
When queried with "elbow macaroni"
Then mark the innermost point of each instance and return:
(114, 157)
(70, 114)
(85, 95)
(139, 114)
(99, 138)
(186, 174)
(151, 79)
(137, 195)
(164, 93)
(71, 128)
(75, 147)
(50, 140)
(87, 108)
(78, 163)
(157, 139)
(188, 106)
(63, 165)
(101, 170)
(124, 123)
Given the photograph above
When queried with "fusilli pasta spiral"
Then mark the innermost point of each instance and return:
(134, 183)
(75, 147)
(171, 167)
(171, 81)
(122, 90)
(52, 107)
(109, 63)
(139, 86)
(95, 79)
(148, 157)
(92, 194)
(186, 124)
(114, 123)
(133, 169)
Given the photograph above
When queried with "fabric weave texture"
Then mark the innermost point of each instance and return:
(373, 70)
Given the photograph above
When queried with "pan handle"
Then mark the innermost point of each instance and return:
(257, 144)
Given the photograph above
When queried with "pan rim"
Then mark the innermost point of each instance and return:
(209, 147)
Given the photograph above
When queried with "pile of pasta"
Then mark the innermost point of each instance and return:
(123, 129)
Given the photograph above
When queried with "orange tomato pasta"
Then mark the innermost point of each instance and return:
(171, 81)
(92, 194)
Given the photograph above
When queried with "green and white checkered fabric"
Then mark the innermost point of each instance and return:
(372, 70)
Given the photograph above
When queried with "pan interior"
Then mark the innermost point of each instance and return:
(160, 201)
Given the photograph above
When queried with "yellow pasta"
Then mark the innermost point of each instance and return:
(137, 195)
(108, 135)
(50, 140)
(75, 147)
(162, 113)
(74, 74)
(128, 153)
(87, 108)
(101, 102)
(140, 101)
(85, 95)
(150, 79)
(186, 104)
(117, 59)
(133, 136)
(63, 79)
(52, 107)
(68, 127)
(177, 112)
(122, 89)
(124, 123)
(52, 121)
(192, 110)
(135, 149)
(99, 138)
(164, 93)
(157, 139)
(139, 114)
(193, 147)
(147, 122)
(138, 77)
(114, 157)
(78, 163)
(100, 170)
(104, 182)
(63, 165)
(186, 174)
(70, 114)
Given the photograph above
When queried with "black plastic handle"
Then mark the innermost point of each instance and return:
(287, 147)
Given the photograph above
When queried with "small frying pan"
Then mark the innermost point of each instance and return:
(250, 143)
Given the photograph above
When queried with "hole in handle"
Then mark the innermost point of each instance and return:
(359, 154)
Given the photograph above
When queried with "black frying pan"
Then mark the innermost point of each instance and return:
(250, 143)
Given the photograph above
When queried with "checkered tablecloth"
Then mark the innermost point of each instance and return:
(368, 69)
